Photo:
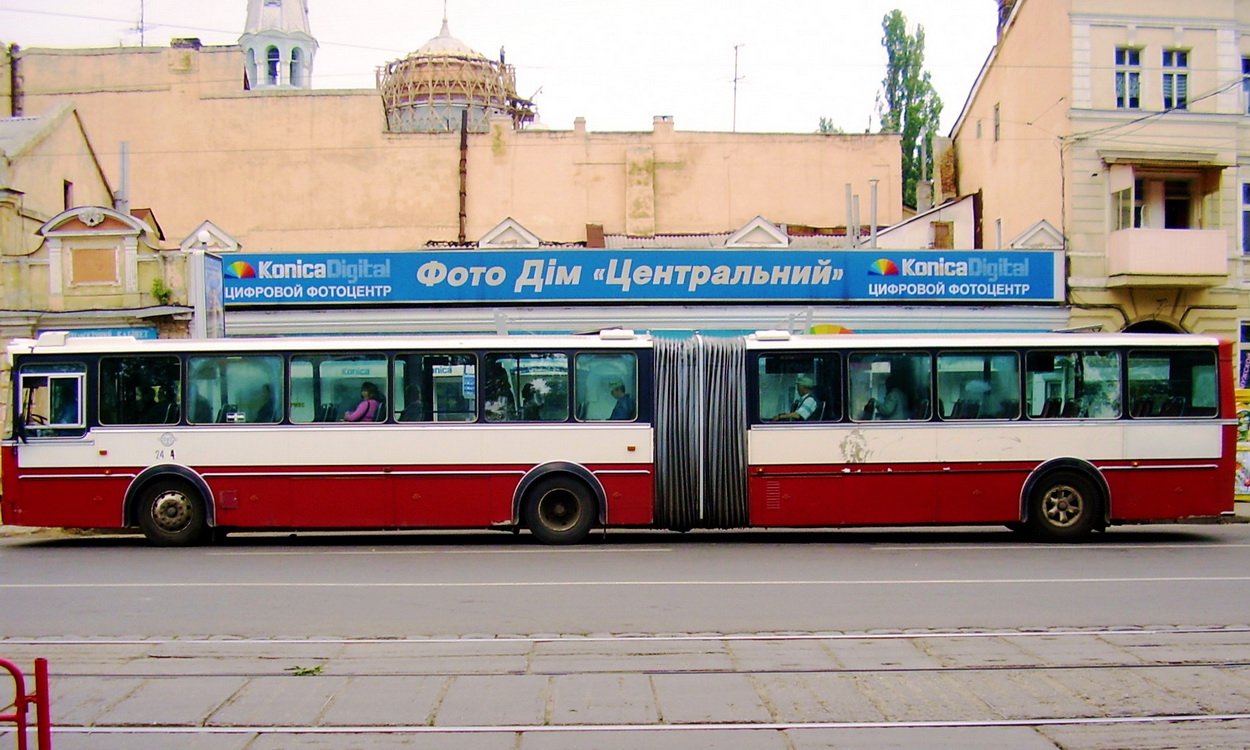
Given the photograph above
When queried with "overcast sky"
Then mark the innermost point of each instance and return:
(617, 64)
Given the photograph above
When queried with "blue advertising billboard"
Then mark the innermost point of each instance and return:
(522, 277)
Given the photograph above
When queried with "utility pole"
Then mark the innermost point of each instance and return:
(735, 82)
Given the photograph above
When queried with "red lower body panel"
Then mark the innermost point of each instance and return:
(314, 497)
(918, 494)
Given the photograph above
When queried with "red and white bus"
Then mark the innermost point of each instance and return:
(1059, 435)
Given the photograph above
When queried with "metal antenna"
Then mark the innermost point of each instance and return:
(141, 27)
(735, 82)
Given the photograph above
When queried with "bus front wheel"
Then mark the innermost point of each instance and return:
(1063, 507)
(559, 510)
(172, 514)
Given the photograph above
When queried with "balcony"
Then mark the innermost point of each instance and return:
(1167, 257)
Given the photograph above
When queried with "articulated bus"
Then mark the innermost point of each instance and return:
(1056, 435)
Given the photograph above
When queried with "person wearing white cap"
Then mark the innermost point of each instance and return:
(805, 403)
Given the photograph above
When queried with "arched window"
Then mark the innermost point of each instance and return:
(271, 74)
(297, 67)
(252, 77)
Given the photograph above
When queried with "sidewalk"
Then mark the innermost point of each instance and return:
(1024, 690)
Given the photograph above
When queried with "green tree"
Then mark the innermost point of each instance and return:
(908, 103)
(826, 127)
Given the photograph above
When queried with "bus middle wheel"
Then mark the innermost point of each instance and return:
(559, 510)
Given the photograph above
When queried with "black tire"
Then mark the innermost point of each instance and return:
(1064, 506)
(560, 510)
(171, 513)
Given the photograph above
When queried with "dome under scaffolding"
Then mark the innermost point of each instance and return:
(427, 91)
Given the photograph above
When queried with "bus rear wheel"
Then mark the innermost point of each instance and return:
(172, 514)
(1063, 507)
(559, 510)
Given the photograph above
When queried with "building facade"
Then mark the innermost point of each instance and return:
(1123, 126)
(321, 178)
(291, 169)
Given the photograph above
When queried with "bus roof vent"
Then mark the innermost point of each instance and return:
(52, 338)
(616, 334)
(772, 335)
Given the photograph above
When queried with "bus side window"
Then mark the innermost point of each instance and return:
(246, 389)
(978, 385)
(140, 390)
(1082, 384)
(890, 385)
(335, 388)
(799, 388)
(606, 387)
(529, 387)
(53, 403)
(1181, 383)
(431, 387)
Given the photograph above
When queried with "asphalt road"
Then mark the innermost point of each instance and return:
(848, 638)
(493, 583)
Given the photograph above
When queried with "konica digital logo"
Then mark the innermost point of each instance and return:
(240, 269)
(883, 267)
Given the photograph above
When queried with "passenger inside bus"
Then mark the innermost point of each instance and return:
(625, 409)
(894, 404)
(370, 404)
(413, 410)
(266, 412)
(163, 410)
(806, 406)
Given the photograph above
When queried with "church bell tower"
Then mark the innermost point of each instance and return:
(278, 46)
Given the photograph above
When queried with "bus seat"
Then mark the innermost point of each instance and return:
(922, 409)
(1174, 407)
(966, 410)
(1070, 409)
(380, 414)
(1050, 409)
(224, 412)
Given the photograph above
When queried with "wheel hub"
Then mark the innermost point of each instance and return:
(171, 511)
(1063, 506)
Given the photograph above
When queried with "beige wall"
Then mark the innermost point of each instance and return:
(39, 172)
(1020, 174)
(1053, 76)
(314, 171)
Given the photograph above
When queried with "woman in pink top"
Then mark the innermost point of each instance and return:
(367, 409)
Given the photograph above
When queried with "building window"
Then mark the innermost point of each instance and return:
(273, 59)
(1245, 83)
(1166, 201)
(1127, 78)
(297, 63)
(1175, 79)
(1125, 215)
(1243, 369)
(1245, 218)
(67, 195)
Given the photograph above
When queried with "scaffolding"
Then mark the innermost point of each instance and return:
(426, 91)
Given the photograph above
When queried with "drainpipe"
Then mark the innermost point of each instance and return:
(464, 172)
(15, 82)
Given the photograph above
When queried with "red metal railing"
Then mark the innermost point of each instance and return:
(22, 701)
